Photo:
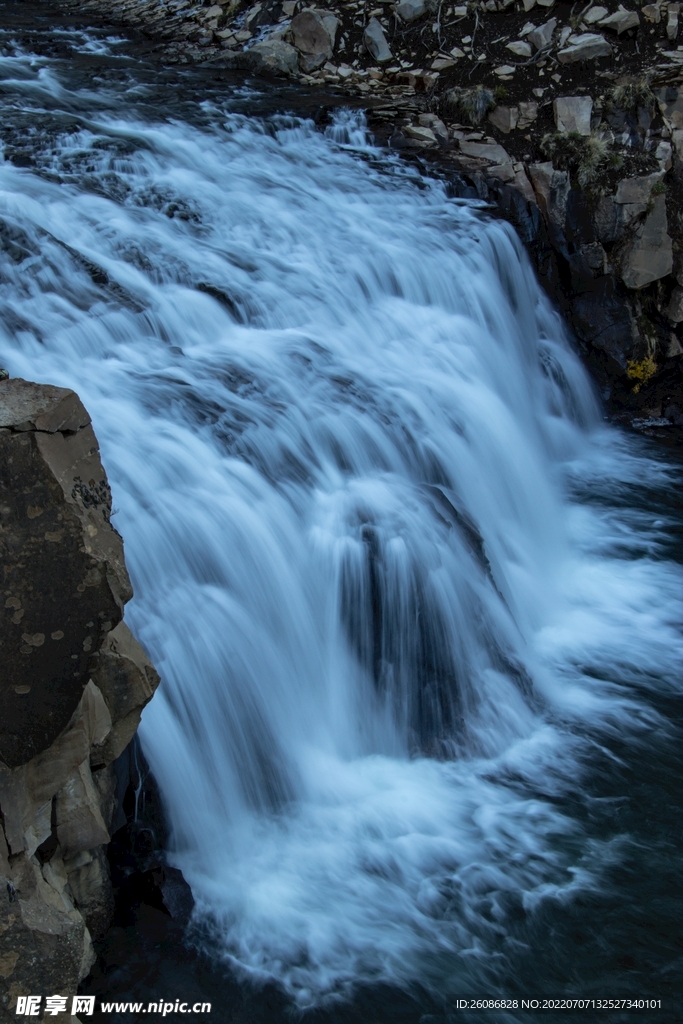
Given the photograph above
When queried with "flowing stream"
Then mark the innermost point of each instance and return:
(416, 607)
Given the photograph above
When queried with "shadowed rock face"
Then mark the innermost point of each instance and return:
(64, 581)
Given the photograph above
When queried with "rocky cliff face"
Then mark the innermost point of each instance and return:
(73, 687)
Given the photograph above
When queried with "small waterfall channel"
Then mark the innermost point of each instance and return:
(415, 606)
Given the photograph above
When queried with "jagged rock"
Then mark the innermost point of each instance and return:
(520, 47)
(89, 880)
(411, 10)
(595, 14)
(670, 102)
(552, 191)
(649, 257)
(528, 112)
(573, 114)
(621, 21)
(674, 310)
(436, 125)
(611, 218)
(504, 172)
(491, 152)
(588, 46)
(274, 57)
(45, 946)
(127, 680)
(79, 824)
(652, 12)
(313, 34)
(375, 41)
(542, 36)
(637, 190)
(504, 118)
(522, 183)
(420, 134)
(65, 580)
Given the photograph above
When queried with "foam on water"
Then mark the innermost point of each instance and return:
(353, 459)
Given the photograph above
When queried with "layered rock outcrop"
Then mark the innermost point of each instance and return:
(73, 687)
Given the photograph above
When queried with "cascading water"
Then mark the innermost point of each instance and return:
(377, 530)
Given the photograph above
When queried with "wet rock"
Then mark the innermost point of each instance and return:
(589, 46)
(65, 580)
(504, 118)
(313, 35)
(649, 256)
(620, 21)
(177, 895)
(542, 36)
(375, 41)
(274, 57)
(573, 114)
(411, 10)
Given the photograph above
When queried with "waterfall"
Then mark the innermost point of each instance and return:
(382, 542)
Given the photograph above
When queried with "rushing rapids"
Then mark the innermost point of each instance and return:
(403, 585)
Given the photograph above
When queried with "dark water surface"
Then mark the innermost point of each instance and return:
(415, 606)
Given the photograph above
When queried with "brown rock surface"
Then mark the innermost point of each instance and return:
(65, 584)
(64, 579)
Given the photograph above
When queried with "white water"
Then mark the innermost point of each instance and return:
(387, 633)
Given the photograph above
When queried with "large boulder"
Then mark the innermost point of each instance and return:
(271, 57)
(313, 33)
(375, 41)
(64, 577)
